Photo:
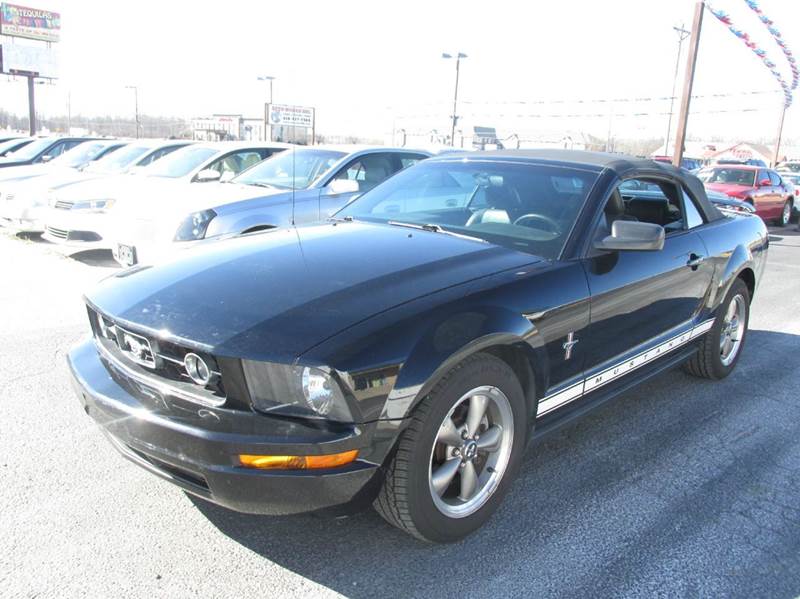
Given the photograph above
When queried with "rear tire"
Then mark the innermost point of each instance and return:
(786, 214)
(722, 346)
(444, 481)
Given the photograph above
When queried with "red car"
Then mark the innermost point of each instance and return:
(762, 187)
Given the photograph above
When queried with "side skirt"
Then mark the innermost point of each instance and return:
(552, 422)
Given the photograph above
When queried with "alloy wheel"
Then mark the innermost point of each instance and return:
(471, 451)
(732, 331)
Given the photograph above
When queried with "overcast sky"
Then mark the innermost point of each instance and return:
(370, 66)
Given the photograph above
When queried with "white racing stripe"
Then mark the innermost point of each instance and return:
(552, 402)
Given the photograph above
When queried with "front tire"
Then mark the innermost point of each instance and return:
(722, 346)
(459, 454)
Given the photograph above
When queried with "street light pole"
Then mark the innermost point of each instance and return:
(135, 105)
(459, 56)
(682, 35)
(269, 78)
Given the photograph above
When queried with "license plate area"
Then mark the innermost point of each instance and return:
(126, 254)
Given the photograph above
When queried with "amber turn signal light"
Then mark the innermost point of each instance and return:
(298, 462)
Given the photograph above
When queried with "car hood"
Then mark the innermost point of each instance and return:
(181, 199)
(273, 295)
(48, 181)
(25, 171)
(730, 188)
(161, 206)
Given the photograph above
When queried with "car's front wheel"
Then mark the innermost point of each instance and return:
(459, 453)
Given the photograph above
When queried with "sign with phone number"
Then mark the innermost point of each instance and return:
(291, 116)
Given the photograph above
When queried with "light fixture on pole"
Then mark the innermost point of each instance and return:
(682, 35)
(459, 56)
(269, 78)
(135, 105)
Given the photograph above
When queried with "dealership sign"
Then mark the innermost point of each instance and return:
(291, 116)
(32, 23)
(37, 60)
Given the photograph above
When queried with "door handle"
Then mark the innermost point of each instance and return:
(695, 260)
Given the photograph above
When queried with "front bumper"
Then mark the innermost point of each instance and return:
(21, 217)
(195, 447)
(76, 231)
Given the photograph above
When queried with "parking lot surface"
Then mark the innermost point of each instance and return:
(681, 487)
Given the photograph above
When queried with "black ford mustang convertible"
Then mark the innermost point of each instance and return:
(404, 353)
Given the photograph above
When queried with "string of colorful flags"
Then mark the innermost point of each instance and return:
(787, 87)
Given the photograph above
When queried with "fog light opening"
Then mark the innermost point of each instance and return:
(297, 462)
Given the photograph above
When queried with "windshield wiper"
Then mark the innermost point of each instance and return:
(433, 228)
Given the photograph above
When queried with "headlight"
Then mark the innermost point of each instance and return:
(93, 205)
(195, 226)
(295, 391)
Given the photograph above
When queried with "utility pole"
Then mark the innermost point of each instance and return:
(269, 78)
(777, 155)
(691, 63)
(136, 105)
(682, 35)
(31, 106)
(459, 56)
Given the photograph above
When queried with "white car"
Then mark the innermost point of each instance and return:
(26, 199)
(78, 157)
(79, 216)
(304, 185)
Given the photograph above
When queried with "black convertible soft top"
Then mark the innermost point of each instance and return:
(620, 164)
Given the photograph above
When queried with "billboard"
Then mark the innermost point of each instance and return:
(291, 116)
(19, 59)
(32, 23)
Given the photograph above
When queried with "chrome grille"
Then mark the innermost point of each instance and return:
(155, 362)
(63, 204)
(57, 233)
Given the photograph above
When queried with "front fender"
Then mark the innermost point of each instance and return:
(233, 224)
(454, 338)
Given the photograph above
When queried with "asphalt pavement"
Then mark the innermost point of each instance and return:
(680, 488)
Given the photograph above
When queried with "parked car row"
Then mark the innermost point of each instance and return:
(84, 198)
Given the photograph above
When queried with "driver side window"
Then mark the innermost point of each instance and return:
(654, 201)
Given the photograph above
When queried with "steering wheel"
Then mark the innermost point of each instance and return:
(552, 225)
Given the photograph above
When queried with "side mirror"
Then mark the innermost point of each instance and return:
(338, 186)
(207, 175)
(764, 183)
(633, 236)
(47, 158)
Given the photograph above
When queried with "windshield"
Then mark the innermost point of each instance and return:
(306, 166)
(528, 207)
(180, 162)
(81, 154)
(119, 160)
(32, 150)
(733, 176)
